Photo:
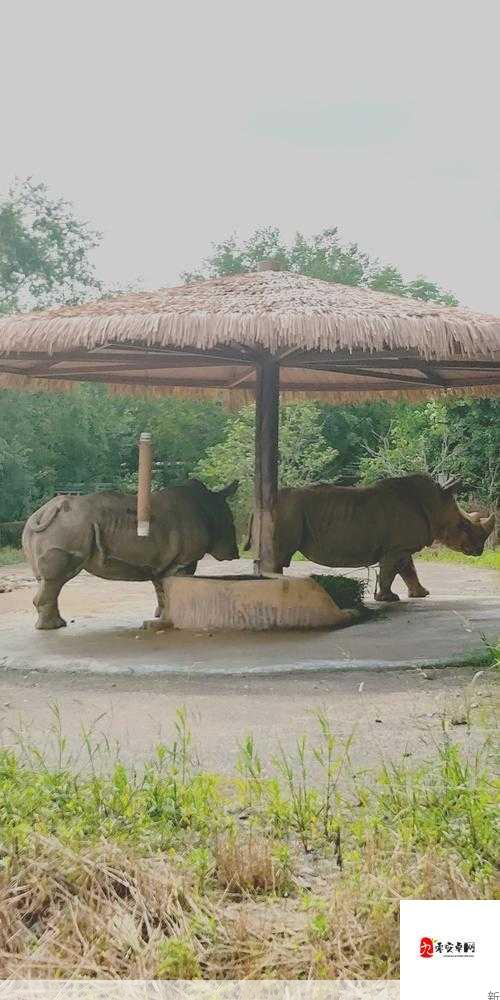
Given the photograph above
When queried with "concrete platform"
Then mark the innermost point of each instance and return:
(436, 632)
(104, 635)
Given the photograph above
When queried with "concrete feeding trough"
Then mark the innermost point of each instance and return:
(249, 603)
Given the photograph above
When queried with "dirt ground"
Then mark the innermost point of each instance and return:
(394, 712)
(389, 713)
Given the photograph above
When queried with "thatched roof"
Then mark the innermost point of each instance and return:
(333, 341)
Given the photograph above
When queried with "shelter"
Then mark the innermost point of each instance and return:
(258, 334)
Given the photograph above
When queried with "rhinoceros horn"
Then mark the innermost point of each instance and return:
(488, 523)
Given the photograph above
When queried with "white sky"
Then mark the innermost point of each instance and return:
(169, 124)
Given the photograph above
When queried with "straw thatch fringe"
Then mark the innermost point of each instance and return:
(271, 310)
(235, 398)
(26, 384)
(391, 395)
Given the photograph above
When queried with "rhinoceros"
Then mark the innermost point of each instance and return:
(98, 533)
(384, 523)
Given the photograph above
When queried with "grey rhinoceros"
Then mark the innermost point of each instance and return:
(98, 533)
(384, 523)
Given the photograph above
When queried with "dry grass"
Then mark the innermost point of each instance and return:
(347, 932)
(246, 864)
(97, 913)
(106, 913)
(174, 874)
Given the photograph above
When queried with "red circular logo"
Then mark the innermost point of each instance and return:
(426, 947)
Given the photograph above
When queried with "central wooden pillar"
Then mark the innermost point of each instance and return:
(266, 466)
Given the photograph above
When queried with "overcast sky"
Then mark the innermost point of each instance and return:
(170, 124)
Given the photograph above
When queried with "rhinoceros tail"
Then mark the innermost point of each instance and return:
(248, 542)
(37, 524)
(99, 544)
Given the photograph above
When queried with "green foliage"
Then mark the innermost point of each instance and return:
(88, 437)
(416, 441)
(473, 428)
(322, 256)
(447, 802)
(177, 960)
(151, 812)
(450, 804)
(16, 479)
(10, 533)
(456, 438)
(372, 440)
(353, 429)
(44, 250)
(304, 454)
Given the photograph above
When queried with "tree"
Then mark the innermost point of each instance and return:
(473, 428)
(90, 437)
(49, 440)
(322, 256)
(16, 481)
(458, 438)
(351, 429)
(44, 250)
(304, 454)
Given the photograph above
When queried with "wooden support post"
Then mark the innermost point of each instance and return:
(266, 466)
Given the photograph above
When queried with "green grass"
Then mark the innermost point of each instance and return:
(179, 873)
(174, 802)
(490, 559)
(9, 556)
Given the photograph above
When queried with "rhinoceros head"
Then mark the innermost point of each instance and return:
(464, 532)
(223, 544)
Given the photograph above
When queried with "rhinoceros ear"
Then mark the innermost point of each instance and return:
(230, 490)
(451, 486)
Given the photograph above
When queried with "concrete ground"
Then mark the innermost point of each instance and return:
(124, 685)
(104, 634)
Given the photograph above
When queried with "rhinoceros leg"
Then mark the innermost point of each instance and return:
(160, 590)
(160, 597)
(408, 573)
(388, 570)
(45, 602)
(54, 570)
